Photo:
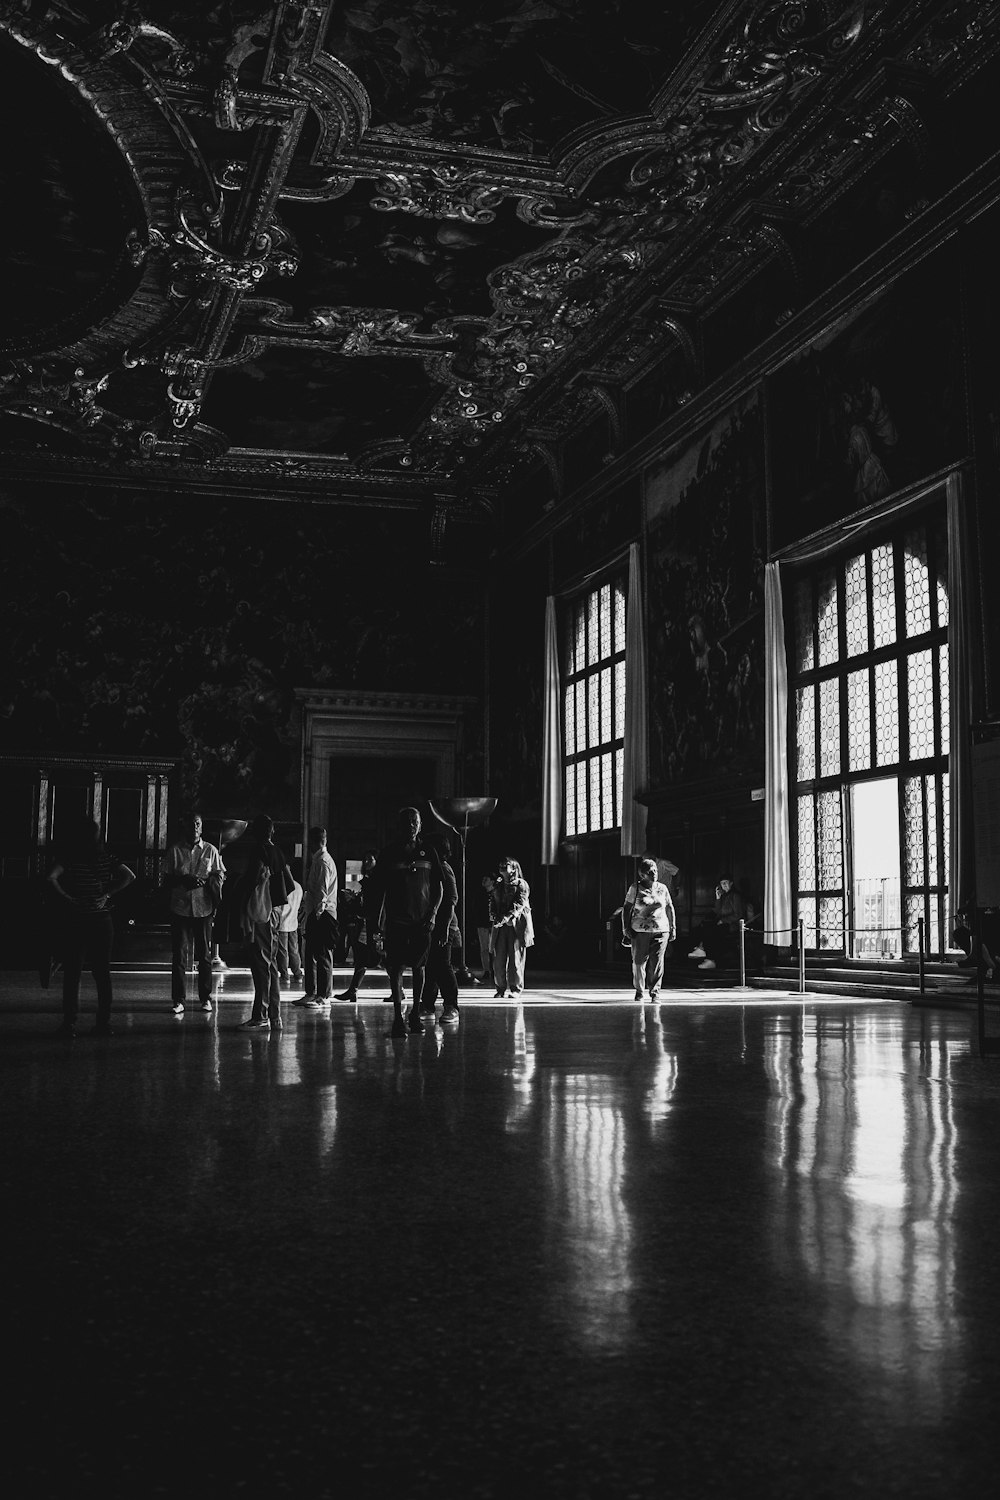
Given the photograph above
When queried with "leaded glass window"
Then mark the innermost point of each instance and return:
(594, 710)
(869, 693)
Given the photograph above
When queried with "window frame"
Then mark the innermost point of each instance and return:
(597, 746)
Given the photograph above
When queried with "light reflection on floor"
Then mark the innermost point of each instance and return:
(737, 1243)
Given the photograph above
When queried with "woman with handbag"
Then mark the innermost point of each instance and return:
(648, 925)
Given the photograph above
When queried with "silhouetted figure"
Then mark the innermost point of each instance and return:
(717, 935)
(362, 930)
(648, 925)
(264, 889)
(193, 874)
(85, 876)
(408, 886)
(446, 936)
(513, 930)
(319, 902)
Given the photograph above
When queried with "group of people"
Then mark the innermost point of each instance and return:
(405, 917)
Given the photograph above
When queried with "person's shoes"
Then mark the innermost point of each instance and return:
(251, 1025)
(698, 952)
(414, 1024)
(310, 1001)
(350, 995)
(65, 1028)
(707, 963)
(101, 1028)
(177, 1008)
(449, 1016)
(277, 1024)
(654, 995)
(219, 963)
(500, 995)
(323, 999)
(638, 994)
(206, 1005)
(427, 1010)
(298, 978)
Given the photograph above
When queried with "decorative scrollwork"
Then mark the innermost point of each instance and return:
(777, 54)
(442, 191)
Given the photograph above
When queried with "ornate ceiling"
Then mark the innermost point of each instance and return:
(390, 249)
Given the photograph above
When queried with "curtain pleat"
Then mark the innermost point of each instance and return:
(636, 773)
(777, 853)
(552, 784)
(961, 855)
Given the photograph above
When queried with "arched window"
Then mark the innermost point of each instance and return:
(594, 708)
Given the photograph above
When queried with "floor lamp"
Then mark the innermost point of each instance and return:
(460, 814)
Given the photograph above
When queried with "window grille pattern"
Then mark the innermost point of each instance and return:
(827, 620)
(944, 701)
(805, 709)
(856, 604)
(870, 690)
(805, 624)
(594, 710)
(883, 597)
(886, 713)
(859, 721)
(917, 584)
(920, 704)
(829, 727)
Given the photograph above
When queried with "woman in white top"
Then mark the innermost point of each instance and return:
(648, 924)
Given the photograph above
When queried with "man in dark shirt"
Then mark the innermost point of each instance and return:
(407, 885)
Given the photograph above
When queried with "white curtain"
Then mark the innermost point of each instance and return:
(961, 857)
(636, 777)
(552, 784)
(777, 853)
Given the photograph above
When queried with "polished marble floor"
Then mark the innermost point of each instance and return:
(732, 1244)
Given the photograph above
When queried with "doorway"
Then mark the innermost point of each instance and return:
(875, 869)
(366, 793)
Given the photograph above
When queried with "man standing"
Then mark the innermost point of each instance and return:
(408, 885)
(193, 873)
(320, 906)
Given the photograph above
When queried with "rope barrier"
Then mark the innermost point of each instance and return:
(766, 932)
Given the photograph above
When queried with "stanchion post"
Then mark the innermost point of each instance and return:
(920, 953)
(743, 954)
(802, 956)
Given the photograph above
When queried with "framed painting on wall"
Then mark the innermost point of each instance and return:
(871, 406)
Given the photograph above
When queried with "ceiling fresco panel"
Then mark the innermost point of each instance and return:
(515, 76)
(319, 402)
(423, 248)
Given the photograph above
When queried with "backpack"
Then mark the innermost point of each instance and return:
(259, 904)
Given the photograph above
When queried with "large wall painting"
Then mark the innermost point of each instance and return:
(705, 585)
(869, 408)
(179, 627)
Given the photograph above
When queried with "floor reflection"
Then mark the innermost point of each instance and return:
(860, 1128)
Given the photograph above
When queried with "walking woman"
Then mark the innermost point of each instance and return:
(513, 931)
(86, 875)
(648, 925)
